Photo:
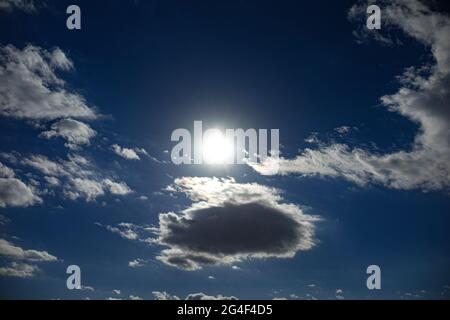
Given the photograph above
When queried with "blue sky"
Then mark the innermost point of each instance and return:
(86, 118)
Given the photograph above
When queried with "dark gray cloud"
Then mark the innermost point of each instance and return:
(237, 222)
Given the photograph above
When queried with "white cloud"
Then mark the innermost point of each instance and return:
(46, 166)
(125, 230)
(116, 187)
(76, 176)
(6, 172)
(162, 295)
(203, 296)
(133, 297)
(86, 188)
(423, 98)
(75, 132)
(11, 251)
(229, 222)
(343, 129)
(116, 291)
(31, 89)
(19, 270)
(15, 193)
(87, 288)
(136, 263)
(126, 153)
(25, 5)
(53, 181)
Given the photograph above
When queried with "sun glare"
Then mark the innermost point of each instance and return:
(216, 148)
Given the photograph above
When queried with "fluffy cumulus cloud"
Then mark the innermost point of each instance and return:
(162, 295)
(25, 5)
(6, 172)
(13, 192)
(75, 177)
(229, 222)
(423, 97)
(11, 251)
(203, 296)
(76, 133)
(117, 188)
(126, 153)
(85, 188)
(30, 87)
(19, 270)
(19, 266)
(136, 263)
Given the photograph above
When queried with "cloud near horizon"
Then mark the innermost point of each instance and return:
(163, 295)
(19, 267)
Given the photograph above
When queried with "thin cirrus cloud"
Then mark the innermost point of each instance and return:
(423, 98)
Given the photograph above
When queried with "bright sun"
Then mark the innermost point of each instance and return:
(216, 148)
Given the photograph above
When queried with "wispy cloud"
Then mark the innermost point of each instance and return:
(422, 98)
(24, 5)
